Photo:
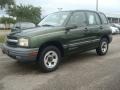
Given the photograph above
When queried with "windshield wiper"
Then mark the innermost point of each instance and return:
(47, 25)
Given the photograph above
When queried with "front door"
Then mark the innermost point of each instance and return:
(77, 38)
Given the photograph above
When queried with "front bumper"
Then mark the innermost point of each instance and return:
(22, 54)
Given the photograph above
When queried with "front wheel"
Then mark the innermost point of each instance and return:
(49, 59)
(103, 47)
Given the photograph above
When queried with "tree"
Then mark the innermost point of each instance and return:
(7, 21)
(26, 13)
(8, 3)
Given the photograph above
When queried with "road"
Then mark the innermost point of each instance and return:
(85, 71)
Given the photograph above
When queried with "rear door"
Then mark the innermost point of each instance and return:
(94, 27)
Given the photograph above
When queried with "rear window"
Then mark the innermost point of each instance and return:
(103, 18)
(78, 19)
(93, 18)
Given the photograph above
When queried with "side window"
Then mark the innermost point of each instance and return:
(97, 19)
(103, 18)
(77, 18)
(91, 18)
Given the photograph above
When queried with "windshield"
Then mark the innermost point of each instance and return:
(54, 19)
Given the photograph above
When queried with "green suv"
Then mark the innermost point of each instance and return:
(60, 34)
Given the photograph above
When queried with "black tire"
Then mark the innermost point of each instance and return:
(100, 50)
(41, 61)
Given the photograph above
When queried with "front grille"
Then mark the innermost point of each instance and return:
(11, 44)
(12, 37)
(11, 41)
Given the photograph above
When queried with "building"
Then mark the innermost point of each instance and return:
(113, 17)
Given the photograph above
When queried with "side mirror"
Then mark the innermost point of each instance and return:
(71, 27)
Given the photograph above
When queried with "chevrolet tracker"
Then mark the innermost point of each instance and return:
(60, 34)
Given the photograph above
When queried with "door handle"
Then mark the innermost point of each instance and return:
(101, 27)
(86, 29)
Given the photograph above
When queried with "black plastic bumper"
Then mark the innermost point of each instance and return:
(22, 54)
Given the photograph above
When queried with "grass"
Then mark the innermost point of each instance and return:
(3, 33)
(2, 38)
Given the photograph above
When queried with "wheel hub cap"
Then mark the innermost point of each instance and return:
(50, 59)
(104, 47)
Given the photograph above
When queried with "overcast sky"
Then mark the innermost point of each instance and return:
(48, 6)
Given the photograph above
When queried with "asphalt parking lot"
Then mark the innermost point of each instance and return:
(85, 71)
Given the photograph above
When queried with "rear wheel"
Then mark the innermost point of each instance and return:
(49, 59)
(103, 47)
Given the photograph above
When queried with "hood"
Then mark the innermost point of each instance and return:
(36, 31)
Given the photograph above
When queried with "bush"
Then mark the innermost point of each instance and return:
(2, 38)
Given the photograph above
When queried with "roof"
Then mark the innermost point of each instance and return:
(78, 10)
(114, 15)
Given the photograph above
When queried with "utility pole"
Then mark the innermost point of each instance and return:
(97, 5)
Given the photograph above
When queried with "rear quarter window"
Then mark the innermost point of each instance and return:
(103, 18)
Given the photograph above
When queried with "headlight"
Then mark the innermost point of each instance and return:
(23, 42)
